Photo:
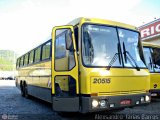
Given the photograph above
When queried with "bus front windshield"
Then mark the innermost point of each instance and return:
(101, 44)
(152, 57)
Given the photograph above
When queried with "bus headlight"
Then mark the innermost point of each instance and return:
(102, 103)
(147, 98)
(94, 103)
(142, 99)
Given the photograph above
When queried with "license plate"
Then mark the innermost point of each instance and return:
(125, 102)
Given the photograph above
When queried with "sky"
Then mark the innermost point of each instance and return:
(24, 24)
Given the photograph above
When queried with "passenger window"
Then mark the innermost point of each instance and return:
(26, 59)
(17, 63)
(21, 62)
(46, 51)
(31, 57)
(37, 54)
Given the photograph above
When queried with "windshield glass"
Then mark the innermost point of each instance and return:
(148, 58)
(130, 40)
(100, 44)
(156, 59)
(152, 58)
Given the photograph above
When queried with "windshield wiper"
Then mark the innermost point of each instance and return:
(151, 63)
(116, 55)
(130, 58)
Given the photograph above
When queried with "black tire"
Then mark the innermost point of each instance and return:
(22, 90)
(26, 91)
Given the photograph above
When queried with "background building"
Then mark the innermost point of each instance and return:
(150, 32)
(7, 60)
(7, 64)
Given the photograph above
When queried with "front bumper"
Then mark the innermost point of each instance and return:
(113, 102)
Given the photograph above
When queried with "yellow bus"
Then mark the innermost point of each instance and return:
(152, 57)
(88, 65)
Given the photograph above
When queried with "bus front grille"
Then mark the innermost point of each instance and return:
(121, 92)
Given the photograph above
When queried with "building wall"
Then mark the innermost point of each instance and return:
(150, 32)
(153, 40)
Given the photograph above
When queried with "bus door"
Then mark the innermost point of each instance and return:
(65, 88)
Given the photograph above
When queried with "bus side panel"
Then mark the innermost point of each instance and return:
(40, 92)
(155, 83)
(38, 79)
(41, 83)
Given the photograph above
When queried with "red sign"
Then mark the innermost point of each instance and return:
(150, 30)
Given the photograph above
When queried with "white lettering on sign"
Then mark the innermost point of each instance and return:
(145, 32)
(150, 30)
(158, 28)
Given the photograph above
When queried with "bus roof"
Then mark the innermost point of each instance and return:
(82, 20)
(153, 45)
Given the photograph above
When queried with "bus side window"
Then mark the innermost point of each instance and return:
(21, 61)
(76, 37)
(37, 54)
(46, 51)
(26, 59)
(17, 65)
(31, 55)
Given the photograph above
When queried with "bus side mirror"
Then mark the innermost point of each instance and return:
(69, 41)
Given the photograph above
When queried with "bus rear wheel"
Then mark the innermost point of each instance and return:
(26, 91)
(22, 90)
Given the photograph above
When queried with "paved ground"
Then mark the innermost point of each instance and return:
(15, 107)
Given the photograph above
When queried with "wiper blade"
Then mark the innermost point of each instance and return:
(112, 61)
(151, 63)
(129, 58)
(116, 55)
(137, 67)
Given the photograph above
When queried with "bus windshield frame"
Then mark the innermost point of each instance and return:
(97, 40)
